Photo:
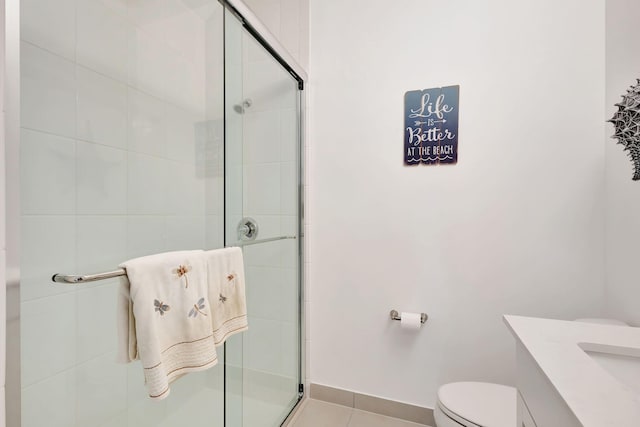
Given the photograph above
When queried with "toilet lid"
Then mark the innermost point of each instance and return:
(479, 404)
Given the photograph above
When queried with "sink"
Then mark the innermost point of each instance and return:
(621, 363)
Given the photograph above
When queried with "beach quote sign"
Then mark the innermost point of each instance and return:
(431, 126)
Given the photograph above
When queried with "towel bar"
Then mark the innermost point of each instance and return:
(77, 279)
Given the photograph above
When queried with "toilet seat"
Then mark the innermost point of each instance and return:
(476, 404)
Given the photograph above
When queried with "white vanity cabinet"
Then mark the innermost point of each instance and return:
(539, 403)
(566, 375)
(524, 416)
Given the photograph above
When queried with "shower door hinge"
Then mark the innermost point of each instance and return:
(300, 84)
(301, 390)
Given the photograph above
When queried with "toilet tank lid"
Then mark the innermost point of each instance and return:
(482, 404)
(602, 321)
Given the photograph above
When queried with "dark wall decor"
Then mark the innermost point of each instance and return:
(431, 126)
(627, 123)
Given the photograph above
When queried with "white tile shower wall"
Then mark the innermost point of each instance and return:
(45, 189)
(515, 227)
(55, 398)
(51, 25)
(113, 167)
(101, 39)
(101, 109)
(48, 92)
(210, 134)
(103, 181)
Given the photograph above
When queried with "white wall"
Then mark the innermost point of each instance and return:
(623, 194)
(515, 227)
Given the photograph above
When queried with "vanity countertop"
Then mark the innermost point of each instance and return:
(595, 397)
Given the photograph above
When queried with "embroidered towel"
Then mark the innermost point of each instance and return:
(170, 307)
(225, 269)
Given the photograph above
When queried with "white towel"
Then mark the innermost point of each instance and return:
(172, 317)
(226, 292)
(127, 344)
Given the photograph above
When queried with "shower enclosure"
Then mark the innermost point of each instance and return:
(148, 126)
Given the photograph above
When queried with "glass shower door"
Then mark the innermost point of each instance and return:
(120, 157)
(262, 182)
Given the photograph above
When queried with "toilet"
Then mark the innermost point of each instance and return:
(473, 404)
(477, 404)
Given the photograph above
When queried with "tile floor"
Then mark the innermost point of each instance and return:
(316, 413)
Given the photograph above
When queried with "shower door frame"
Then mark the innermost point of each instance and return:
(10, 11)
(266, 39)
(13, 389)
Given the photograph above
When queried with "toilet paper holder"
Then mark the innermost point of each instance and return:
(396, 316)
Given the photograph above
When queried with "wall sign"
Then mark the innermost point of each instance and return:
(431, 126)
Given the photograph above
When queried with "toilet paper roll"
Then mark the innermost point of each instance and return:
(410, 320)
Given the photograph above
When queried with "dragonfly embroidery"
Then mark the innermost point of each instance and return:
(197, 308)
(182, 271)
(161, 307)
